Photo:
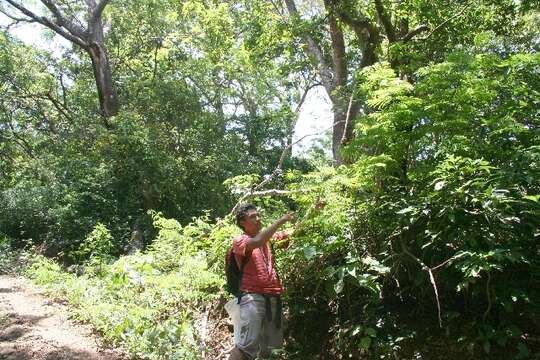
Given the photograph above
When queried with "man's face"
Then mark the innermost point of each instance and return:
(251, 223)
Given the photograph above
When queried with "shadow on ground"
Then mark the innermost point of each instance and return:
(62, 353)
(15, 326)
(9, 290)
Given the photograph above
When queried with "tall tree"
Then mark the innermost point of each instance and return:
(91, 39)
(343, 37)
(336, 70)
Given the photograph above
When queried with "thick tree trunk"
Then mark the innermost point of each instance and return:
(137, 237)
(108, 99)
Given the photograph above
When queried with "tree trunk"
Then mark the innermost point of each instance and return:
(343, 125)
(108, 99)
(137, 237)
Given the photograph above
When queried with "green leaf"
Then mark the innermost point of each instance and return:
(365, 342)
(370, 332)
(523, 351)
(406, 210)
(309, 252)
(534, 198)
(375, 265)
(487, 347)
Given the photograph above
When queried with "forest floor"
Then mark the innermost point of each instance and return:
(33, 326)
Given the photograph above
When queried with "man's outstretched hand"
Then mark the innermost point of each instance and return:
(290, 217)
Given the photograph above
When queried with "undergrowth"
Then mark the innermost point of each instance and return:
(146, 303)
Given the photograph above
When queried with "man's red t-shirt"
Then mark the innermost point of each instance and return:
(259, 274)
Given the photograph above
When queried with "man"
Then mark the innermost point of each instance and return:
(260, 302)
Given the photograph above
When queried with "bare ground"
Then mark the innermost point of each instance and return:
(34, 327)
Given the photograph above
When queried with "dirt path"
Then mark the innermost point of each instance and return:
(34, 327)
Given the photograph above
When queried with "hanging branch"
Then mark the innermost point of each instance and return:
(431, 271)
(488, 294)
(344, 137)
(276, 171)
(285, 151)
(431, 279)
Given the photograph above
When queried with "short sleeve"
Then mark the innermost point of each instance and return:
(240, 245)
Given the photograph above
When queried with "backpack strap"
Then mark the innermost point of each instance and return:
(245, 260)
(274, 261)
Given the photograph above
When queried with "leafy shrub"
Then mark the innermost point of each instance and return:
(97, 247)
(6, 254)
(145, 303)
(430, 237)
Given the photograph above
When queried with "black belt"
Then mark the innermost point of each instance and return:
(279, 308)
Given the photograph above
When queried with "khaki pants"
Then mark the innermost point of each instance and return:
(258, 335)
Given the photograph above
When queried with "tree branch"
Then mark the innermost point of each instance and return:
(447, 21)
(286, 149)
(273, 192)
(488, 294)
(23, 144)
(16, 19)
(64, 92)
(431, 278)
(314, 51)
(366, 33)
(446, 262)
(63, 21)
(344, 137)
(59, 107)
(304, 96)
(414, 32)
(386, 21)
(98, 11)
(48, 23)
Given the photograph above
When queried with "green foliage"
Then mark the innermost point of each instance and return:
(145, 303)
(97, 247)
(171, 148)
(6, 254)
(443, 178)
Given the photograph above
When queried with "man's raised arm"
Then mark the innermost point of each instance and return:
(264, 235)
